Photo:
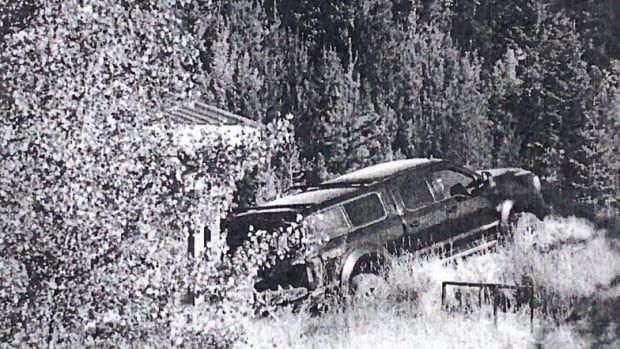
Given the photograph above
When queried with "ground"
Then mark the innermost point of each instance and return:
(577, 265)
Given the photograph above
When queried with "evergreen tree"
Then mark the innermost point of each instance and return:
(347, 132)
(597, 22)
(505, 88)
(595, 160)
(553, 81)
(375, 38)
(489, 27)
(236, 54)
(509, 87)
(320, 24)
(449, 108)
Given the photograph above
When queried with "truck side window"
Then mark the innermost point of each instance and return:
(415, 193)
(365, 209)
(446, 183)
(331, 221)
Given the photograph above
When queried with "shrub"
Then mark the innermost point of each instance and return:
(97, 196)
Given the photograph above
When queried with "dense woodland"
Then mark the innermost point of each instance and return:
(96, 203)
(483, 83)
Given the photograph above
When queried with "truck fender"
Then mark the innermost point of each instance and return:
(348, 266)
(504, 210)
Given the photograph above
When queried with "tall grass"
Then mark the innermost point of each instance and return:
(567, 257)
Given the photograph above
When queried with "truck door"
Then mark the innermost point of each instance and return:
(470, 218)
(422, 216)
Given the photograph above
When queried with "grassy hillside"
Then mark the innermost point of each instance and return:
(567, 257)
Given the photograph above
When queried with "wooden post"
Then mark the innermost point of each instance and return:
(191, 244)
(190, 299)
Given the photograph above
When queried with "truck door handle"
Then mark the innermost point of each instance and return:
(414, 224)
(453, 209)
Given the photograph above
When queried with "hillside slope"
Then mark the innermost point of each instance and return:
(567, 257)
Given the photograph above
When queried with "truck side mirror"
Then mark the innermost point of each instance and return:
(485, 176)
(487, 179)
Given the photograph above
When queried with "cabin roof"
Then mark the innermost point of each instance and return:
(197, 113)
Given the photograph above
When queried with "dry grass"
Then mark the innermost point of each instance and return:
(566, 256)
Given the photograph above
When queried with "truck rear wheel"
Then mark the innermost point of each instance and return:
(368, 278)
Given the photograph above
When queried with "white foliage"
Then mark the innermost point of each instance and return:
(95, 202)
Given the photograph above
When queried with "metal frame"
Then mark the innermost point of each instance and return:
(494, 288)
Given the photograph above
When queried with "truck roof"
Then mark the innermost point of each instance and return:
(381, 171)
(347, 184)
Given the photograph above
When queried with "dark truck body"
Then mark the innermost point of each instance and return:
(415, 205)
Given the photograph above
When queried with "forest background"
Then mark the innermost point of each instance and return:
(532, 84)
(96, 204)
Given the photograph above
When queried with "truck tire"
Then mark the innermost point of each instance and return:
(368, 278)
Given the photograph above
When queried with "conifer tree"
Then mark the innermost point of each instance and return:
(594, 162)
(505, 88)
(449, 111)
(347, 132)
(375, 37)
(553, 82)
(489, 27)
(236, 55)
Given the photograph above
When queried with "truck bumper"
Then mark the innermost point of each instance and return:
(281, 296)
